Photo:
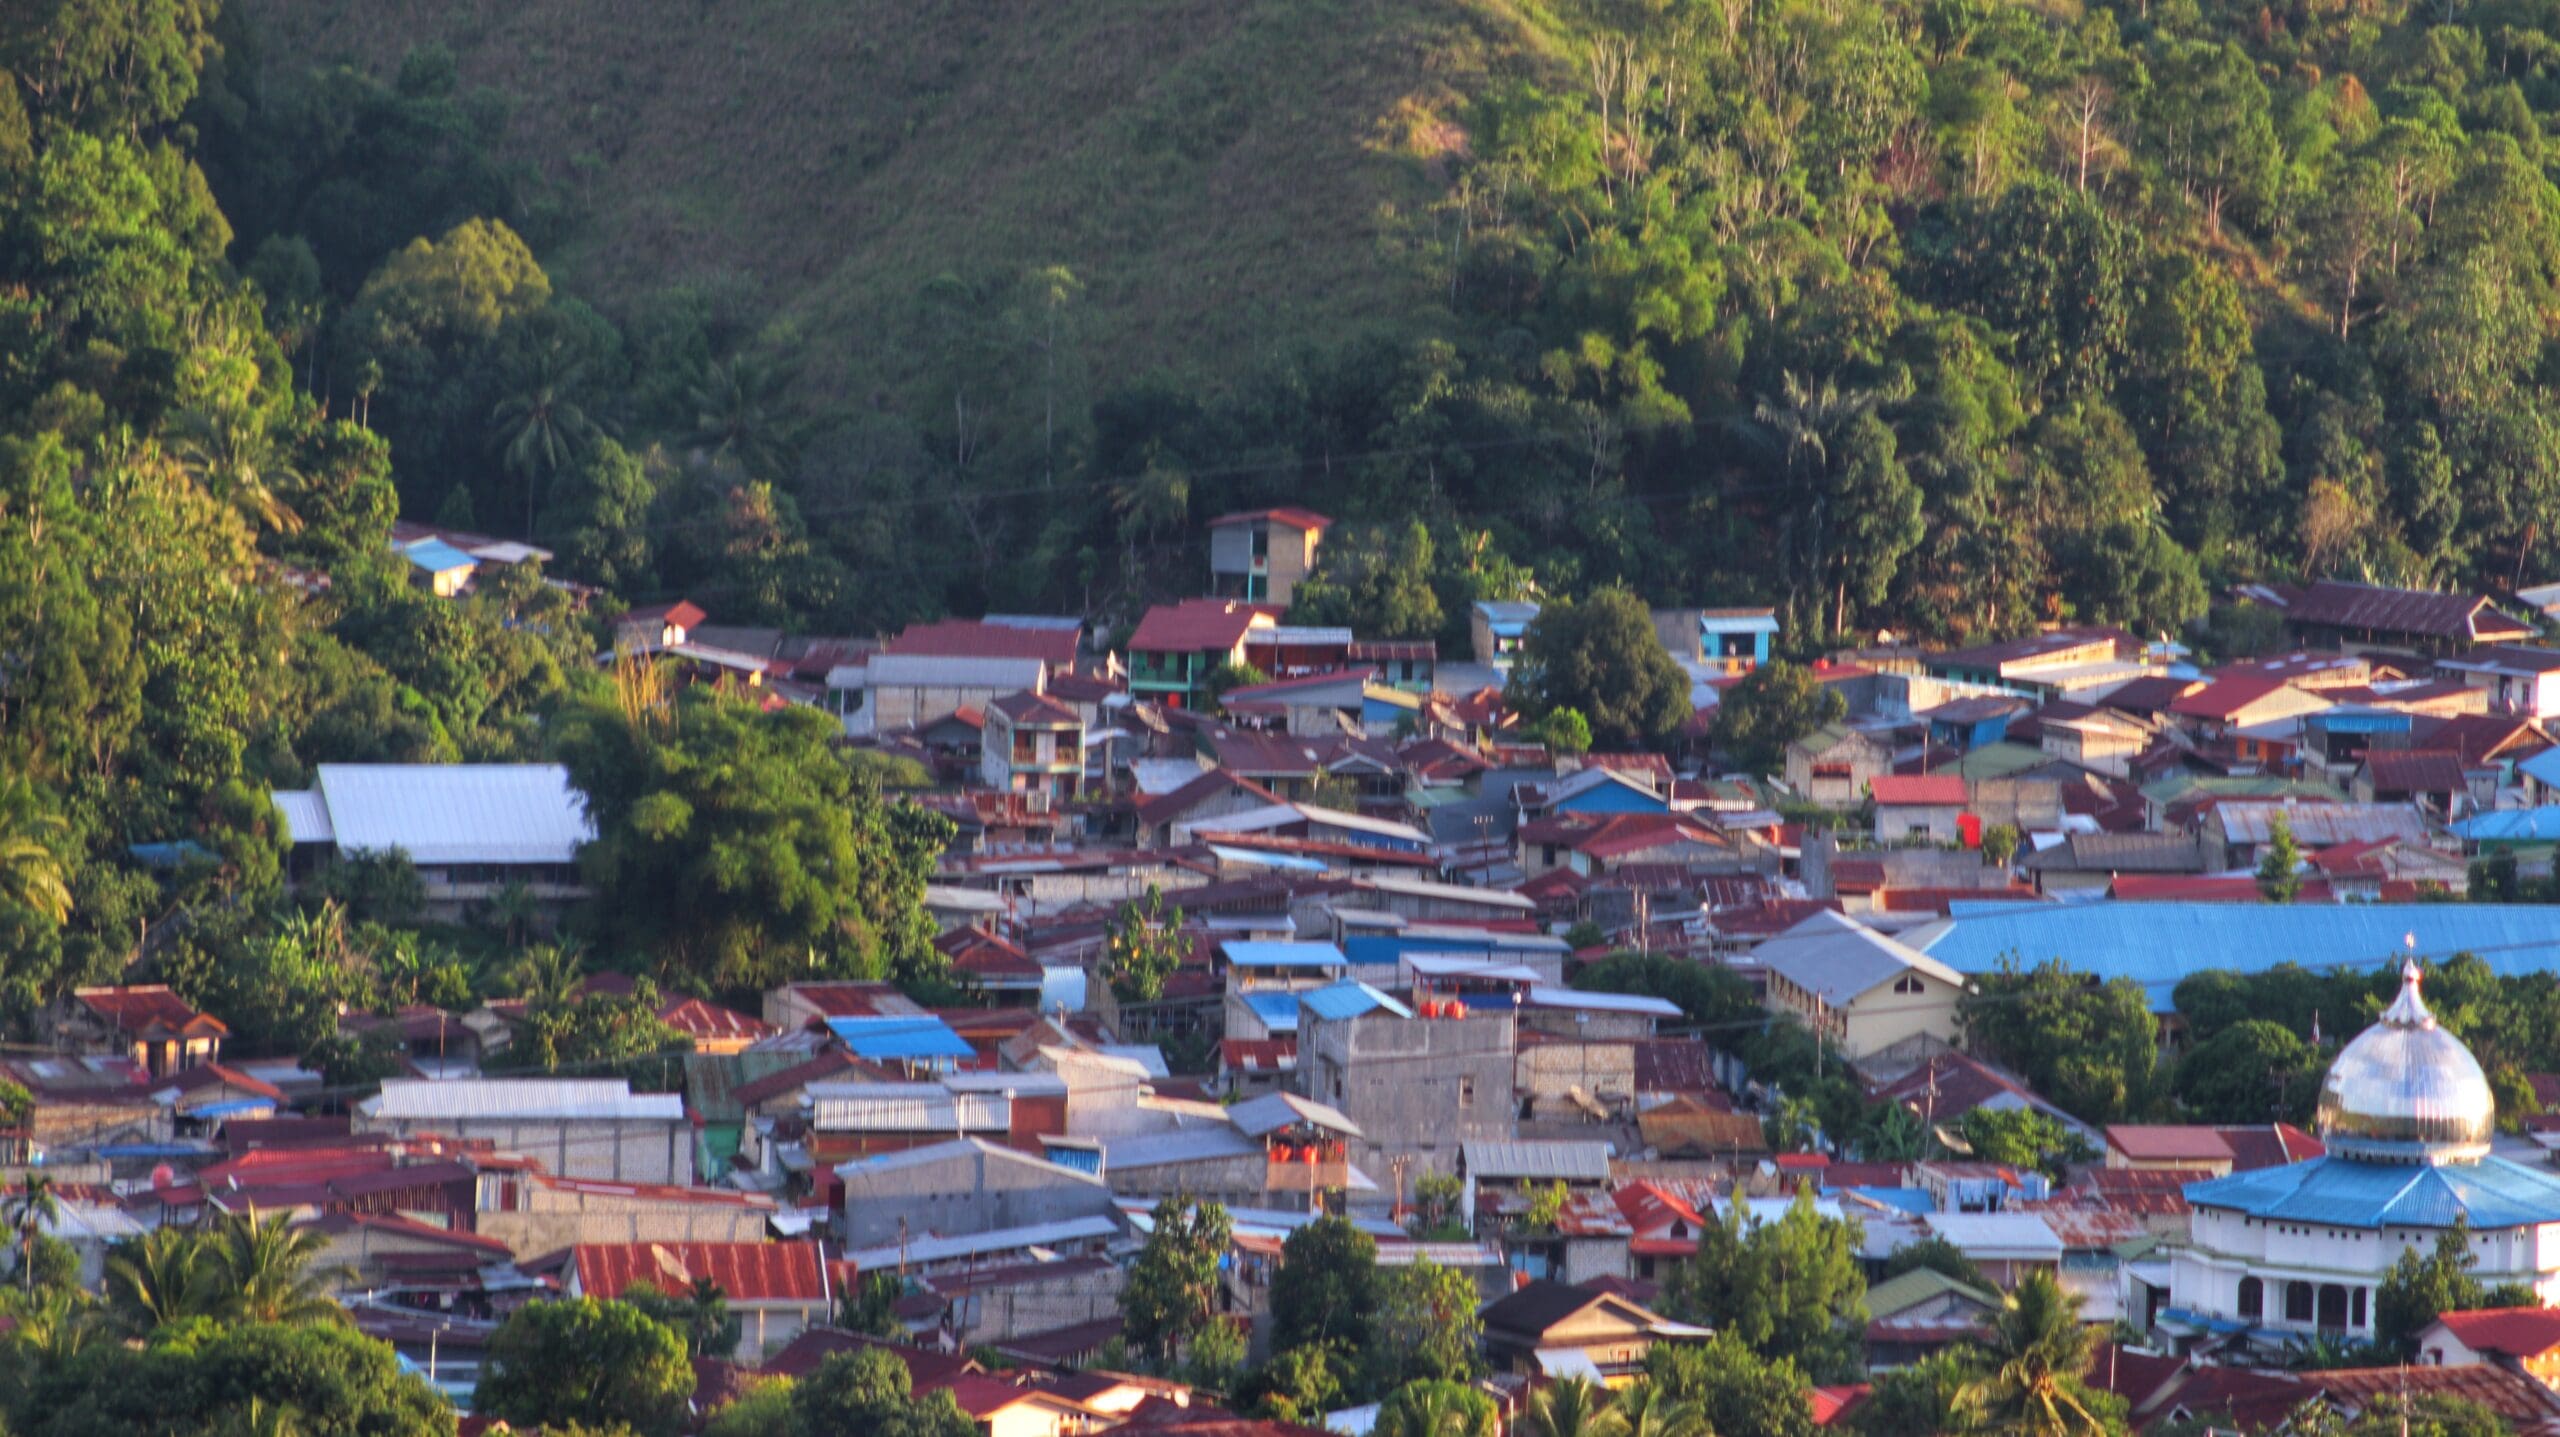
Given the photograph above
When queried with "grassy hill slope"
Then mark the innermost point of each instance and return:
(1212, 170)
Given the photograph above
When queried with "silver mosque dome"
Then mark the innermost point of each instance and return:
(2407, 1091)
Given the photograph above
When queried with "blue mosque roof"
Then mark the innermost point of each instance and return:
(2347, 1192)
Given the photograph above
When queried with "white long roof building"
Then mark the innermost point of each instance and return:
(442, 814)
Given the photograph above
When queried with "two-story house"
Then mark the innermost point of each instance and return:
(1261, 555)
(1032, 744)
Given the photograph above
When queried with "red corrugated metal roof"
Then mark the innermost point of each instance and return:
(1295, 518)
(2507, 1331)
(2465, 617)
(149, 1010)
(746, 1271)
(699, 1020)
(978, 639)
(1195, 626)
(2409, 771)
(1932, 790)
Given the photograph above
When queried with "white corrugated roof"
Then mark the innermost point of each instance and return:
(1994, 1236)
(566, 1098)
(1456, 893)
(976, 1244)
(456, 812)
(946, 671)
(1204, 1143)
(1838, 958)
(905, 1107)
(306, 815)
(1575, 998)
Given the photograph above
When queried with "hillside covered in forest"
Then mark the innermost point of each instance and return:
(1940, 316)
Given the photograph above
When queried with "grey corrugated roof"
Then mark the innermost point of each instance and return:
(306, 815)
(958, 1150)
(1273, 1111)
(1570, 1161)
(1837, 958)
(1204, 1143)
(940, 671)
(456, 813)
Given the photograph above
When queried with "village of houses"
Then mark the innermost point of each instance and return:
(1377, 991)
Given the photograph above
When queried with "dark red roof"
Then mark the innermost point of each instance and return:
(1774, 915)
(2520, 1332)
(2515, 1398)
(2224, 697)
(1257, 1055)
(2477, 738)
(2410, 771)
(1932, 790)
(149, 1011)
(1194, 626)
(208, 1075)
(746, 1271)
(2270, 1145)
(682, 614)
(985, 955)
(2467, 618)
(1293, 517)
(978, 639)
(794, 1078)
(1622, 833)
(815, 1345)
(1031, 708)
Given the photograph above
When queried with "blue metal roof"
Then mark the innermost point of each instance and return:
(2157, 944)
(1278, 1011)
(899, 1039)
(2344, 1192)
(2544, 767)
(1915, 1201)
(436, 556)
(2514, 825)
(1350, 1000)
(1243, 953)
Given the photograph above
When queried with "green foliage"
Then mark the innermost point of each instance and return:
(1424, 1327)
(2091, 1047)
(1938, 1255)
(1773, 706)
(1736, 1388)
(870, 1307)
(700, 1315)
(2420, 1289)
(327, 1381)
(1377, 583)
(1142, 948)
(2279, 875)
(1298, 1384)
(593, 1362)
(1565, 731)
(736, 847)
(1789, 1288)
(1170, 1296)
(870, 1391)
(763, 1410)
(2250, 1072)
(2031, 1380)
(1326, 1287)
(1926, 1398)
(1430, 1408)
(2025, 1138)
(1601, 658)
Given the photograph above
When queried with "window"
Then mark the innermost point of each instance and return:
(1907, 984)
(2253, 1298)
(2298, 1300)
(2358, 1318)
(1466, 1092)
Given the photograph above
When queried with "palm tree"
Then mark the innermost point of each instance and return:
(541, 427)
(1573, 1407)
(32, 1205)
(733, 416)
(1646, 1410)
(235, 459)
(55, 1328)
(2037, 1351)
(30, 871)
(262, 1266)
(1436, 1409)
(547, 976)
(512, 910)
(161, 1278)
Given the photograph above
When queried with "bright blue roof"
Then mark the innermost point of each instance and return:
(2544, 766)
(1350, 1000)
(1915, 1201)
(2156, 944)
(899, 1039)
(1244, 953)
(2515, 825)
(2345, 1192)
(1278, 1011)
(1738, 623)
(436, 556)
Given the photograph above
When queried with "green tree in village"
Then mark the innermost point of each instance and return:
(1788, 1287)
(1142, 948)
(1424, 1326)
(2251, 1072)
(871, 1391)
(1773, 706)
(870, 1307)
(2024, 1138)
(2032, 1363)
(589, 1362)
(1734, 1388)
(1326, 1288)
(2090, 1047)
(1601, 658)
(1432, 1408)
(2279, 868)
(2420, 1289)
(1171, 1295)
(700, 1314)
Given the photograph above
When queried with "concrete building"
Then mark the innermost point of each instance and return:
(577, 1127)
(902, 691)
(470, 829)
(1418, 1083)
(2520, 1339)
(1921, 805)
(1032, 744)
(1863, 990)
(961, 1187)
(2288, 1252)
(2520, 680)
(147, 1023)
(1835, 764)
(1260, 556)
(1177, 647)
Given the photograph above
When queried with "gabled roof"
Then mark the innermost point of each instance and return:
(2518, 1332)
(699, 1021)
(1927, 790)
(982, 639)
(2413, 771)
(456, 812)
(2468, 618)
(1168, 806)
(1196, 626)
(2191, 1143)
(2336, 1192)
(1559, 1160)
(1031, 708)
(2223, 698)
(1923, 1284)
(149, 1011)
(1272, 1112)
(1839, 959)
